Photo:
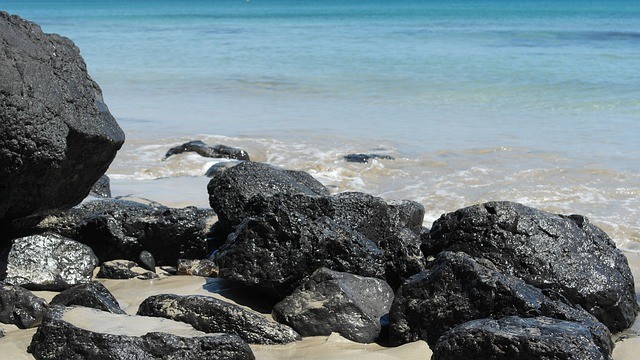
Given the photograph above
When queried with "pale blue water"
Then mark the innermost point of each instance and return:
(536, 101)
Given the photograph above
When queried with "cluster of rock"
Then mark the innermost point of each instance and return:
(498, 280)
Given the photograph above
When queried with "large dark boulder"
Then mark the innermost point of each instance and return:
(211, 315)
(275, 252)
(402, 256)
(458, 288)
(332, 301)
(92, 294)
(66, 334)
(231, 191)
(120, 229)
(514, 338)
(57, 136)
(47, 262)
(562, 253)
(202, 149)
(20, 307)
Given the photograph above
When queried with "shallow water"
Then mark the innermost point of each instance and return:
(530, 101)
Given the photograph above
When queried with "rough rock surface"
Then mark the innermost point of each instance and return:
(147, 261)
(58, 339)
(120, 229)
(202, 149)
(102, 187)
(92, 294)
(458, 288)
(57, 136)
(48, 262)
(219, 168)
(20, 307)
(206, 268)
(212, 315)
(403, 257)
(514, 338)
(231, 191)
(364, 158)
(563, 253)
(277, 251)
(124, 269)
(332, 301)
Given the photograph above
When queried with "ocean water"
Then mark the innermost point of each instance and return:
(530, 101)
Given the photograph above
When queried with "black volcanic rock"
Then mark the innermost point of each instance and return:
(19, 306)
(403, 257)
(57, 136)
(332, 301)
(211, 315)
(119, 229)
(202, 149)
(277, 251)
(514, 338)
(92, 294)
(102, 187)
(48, 262)
(147, 261)
(220, 167)
(364, 158)
(562, 253)
(124, 269)
(204, 267)
(458, 288)
(58, 338)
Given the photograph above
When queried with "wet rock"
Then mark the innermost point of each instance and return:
(57, 136)
(202, 149)
(206, 268)
(403, 257)
(66, 334)
(124, 269)
(231, 191)
(275, 252)
(458, 288)
(102, 187)
(20, 307)
(514, 338)
(1, 332)
(212, 315)
(120, 229)
(332, 301)
(147, 261)
(219, 168)
(562, 253)
(48, 262)
(364, 158)
(92, 294)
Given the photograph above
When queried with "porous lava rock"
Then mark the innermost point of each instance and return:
(211, 315)
(57, 136)
(124, 269)
(202, 149)
(47, 262)
(203, 267)
(514, 338)
(458, 288)
(566, 254)
(102, 187)
(20, 307)
(402, 256)
(332, 301)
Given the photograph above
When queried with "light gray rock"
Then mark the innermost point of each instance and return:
(204, 267)
(332, 301)
(48, 262)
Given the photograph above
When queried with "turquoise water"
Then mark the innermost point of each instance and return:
(535, 101)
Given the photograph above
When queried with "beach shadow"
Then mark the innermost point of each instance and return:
(242, 295)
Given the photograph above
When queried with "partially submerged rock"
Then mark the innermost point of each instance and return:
(20, 307)
(458, 288)
(57, 136)
(364, 158)
(48, 262)
(204, 267)
(124, 269)
(514, 338)
(275, 252)
(202, 149)
(120, 229)
(84, 333)
(92, 294)
(332, 301)
(562, 253)
(212, 315)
